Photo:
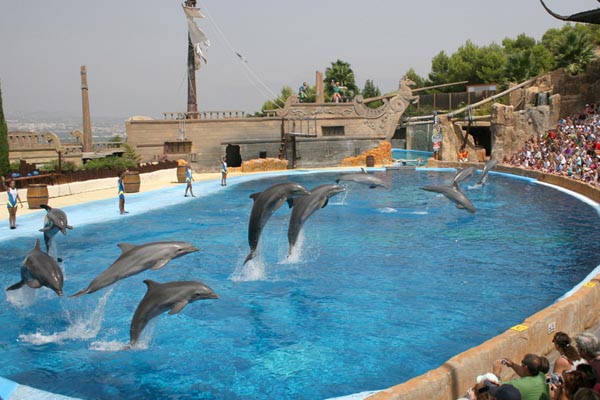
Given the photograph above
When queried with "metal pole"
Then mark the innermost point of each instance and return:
(192, 101)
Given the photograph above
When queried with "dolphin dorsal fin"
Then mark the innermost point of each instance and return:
(363, 170)
(151, 284)
(178, 307)
(37, 244)
(254, 196)
(126, 247)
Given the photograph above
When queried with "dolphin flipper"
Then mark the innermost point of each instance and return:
(178, 307)
(159, 264)
(16, 286)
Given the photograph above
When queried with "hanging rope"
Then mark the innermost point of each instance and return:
(263, 89)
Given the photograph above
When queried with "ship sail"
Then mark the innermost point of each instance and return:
(198, 38)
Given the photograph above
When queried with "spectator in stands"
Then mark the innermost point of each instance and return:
(569, 358)
(586, 394)
(531, 382)
(572, 382)
(589, 348)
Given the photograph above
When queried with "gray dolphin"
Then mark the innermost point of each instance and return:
(453, 193)
(305, 206)
(364, 178)
(463, 174)
(160, 297)
(486, 168)
(54, 222)
(135, 259)
(265, 204)
(39, 269)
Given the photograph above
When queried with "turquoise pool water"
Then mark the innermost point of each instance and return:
(387, 284)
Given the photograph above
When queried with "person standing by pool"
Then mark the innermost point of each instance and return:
(11, 203)
(224, 171)
(121, 191)
(188, 179)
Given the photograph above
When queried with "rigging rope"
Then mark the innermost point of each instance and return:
(248, 71)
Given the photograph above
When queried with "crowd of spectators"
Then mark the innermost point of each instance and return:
(571, 149)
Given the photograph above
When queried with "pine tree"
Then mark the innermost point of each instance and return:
(4, 163)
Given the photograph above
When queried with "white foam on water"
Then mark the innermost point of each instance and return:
(388, 210)
(81, 328)
(109, 346)
(22, 298)
(253, 270)
(296, 255)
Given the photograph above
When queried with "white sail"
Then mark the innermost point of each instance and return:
(199, 40)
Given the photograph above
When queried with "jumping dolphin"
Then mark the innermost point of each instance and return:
(265, 204)
(453, 193)
(463, 174)
(364, 178)
(305, 206)
(486, 168)
(54, 222)
(39, 269)
(160, 297)
(135, 259)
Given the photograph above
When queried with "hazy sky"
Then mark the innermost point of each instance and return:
(135, 51)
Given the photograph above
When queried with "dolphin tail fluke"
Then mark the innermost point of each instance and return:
(249, 257)
(80, 293)
(16, 286)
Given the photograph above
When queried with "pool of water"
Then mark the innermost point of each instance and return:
(386, 285)
(400, 154)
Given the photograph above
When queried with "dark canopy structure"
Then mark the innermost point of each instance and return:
(589, 17)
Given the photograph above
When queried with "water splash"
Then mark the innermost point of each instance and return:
(253, 270)
(388, 210)
(22, 298)
(295, 256)
(81, 328)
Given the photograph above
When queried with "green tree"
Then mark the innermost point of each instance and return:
(370, 91)
(574, 51)
(490, 63)
(279, 102)
(440, 71)
(130, 155)
(340, 71)
(4, 163)
(416, 78)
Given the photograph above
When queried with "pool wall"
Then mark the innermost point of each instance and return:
(572, 314)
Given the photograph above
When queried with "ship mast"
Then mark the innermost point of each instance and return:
(192, 100)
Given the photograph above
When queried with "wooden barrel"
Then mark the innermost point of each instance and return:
(181, 173)
(131, 182)
(37, 194)
(370, 161)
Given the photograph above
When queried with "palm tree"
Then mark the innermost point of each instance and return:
(574, 51)
(340, 71)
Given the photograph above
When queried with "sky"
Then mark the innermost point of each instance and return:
(135, 52)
